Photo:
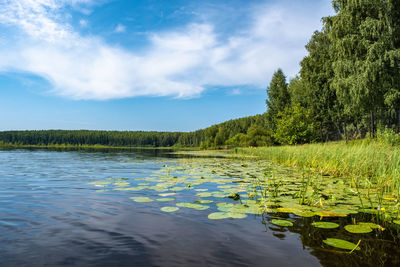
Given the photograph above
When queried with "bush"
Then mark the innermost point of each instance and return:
(295, 125)
(256, 136)
(388, 136)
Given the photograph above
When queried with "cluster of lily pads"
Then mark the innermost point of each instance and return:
(238, 188)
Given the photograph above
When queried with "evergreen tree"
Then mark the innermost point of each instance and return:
(316, 75)
(278, 96)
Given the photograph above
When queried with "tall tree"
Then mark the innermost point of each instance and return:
(361, 36)
(278, 96)
(392, 96)
(316, 75)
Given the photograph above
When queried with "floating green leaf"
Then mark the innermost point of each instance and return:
(237, 215)
(342, 244)
(169, 209)
(370, 224)
(304, 213)
(358, 228)
(192, 206)
(325, 225)
(204, 194)
(121, 183)
(203, 201)
(281, 222)
(165, 199)
(141, 199)
(178, 188)
(218, 215)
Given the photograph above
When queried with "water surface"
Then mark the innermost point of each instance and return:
(53, 211)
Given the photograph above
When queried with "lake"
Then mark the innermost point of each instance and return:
(154, 208)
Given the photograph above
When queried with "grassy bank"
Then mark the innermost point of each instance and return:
(364, 161)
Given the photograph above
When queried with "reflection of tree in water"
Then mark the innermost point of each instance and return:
(378, 248)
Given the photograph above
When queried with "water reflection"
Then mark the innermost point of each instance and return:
(51, 215)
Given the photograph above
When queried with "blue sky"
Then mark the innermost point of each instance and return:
(176, 65)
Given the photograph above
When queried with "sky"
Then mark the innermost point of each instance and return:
(176, 65)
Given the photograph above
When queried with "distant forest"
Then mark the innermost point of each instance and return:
(214, 136)
(348, 87)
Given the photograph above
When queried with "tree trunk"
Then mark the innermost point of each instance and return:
(320, 131)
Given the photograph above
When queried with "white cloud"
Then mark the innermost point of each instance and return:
(236, 91)
(120, 28)
(179, 63)
(84, 23)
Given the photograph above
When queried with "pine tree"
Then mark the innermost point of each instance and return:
(278, 96)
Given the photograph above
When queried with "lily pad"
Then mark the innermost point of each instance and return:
(204, 194)
(218, 215)
(358, 228)
(281, 222)
(192, 206)
(370, 224)
(330, 214)
(340, 243)
(178, 188)
(165, 199)
(203, 201)
(121, 183)
(237, 215)
(141, 199)
(169, 209)
(325, 225)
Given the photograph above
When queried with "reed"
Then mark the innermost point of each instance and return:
(364, 161)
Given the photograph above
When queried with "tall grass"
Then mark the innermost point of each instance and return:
(367, 161)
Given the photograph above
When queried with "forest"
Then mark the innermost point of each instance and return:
(348, 87)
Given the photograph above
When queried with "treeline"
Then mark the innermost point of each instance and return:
(247, 131)
(86, 137)
(215, 136)
(349, 83)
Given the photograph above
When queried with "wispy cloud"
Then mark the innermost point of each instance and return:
(84, 23)
(120, 28)
(179, 63)
(236, 91)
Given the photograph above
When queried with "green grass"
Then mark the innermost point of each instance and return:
(363, 160)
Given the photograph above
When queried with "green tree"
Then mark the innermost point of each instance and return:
(365, 59)
(278, 96)
(315, 85)
(258, 136)
(295, 125)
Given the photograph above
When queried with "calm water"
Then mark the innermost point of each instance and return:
(51, 216)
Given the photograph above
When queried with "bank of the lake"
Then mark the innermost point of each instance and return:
(363, 158)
